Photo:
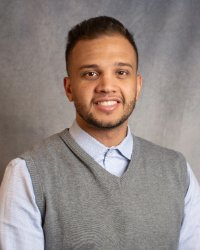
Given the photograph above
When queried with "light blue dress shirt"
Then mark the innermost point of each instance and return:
(20, 219)
(114, 159)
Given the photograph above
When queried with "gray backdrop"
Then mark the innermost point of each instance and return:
(32, 67)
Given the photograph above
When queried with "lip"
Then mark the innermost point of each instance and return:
(107, 99)
(107, 104)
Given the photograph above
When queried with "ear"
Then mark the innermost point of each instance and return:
(68, 88)
(139, 85)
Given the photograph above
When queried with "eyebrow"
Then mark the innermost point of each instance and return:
(123, 64)
(89, 66)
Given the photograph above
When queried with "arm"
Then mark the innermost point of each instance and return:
(190, 230)
(20, 219)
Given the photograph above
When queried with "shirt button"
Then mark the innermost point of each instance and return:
(110, 152)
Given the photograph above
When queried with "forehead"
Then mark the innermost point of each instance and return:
(102, 50)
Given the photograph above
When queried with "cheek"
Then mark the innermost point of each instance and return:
(82, 95)
(129, 91)
(86, 90)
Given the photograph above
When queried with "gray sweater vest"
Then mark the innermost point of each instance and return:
(85, 207)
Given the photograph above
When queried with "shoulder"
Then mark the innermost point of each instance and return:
(163, 160)
(40, 162)
(15, 173)
(46, 148)
(161, 153)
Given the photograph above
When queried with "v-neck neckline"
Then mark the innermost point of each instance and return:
(88, 160)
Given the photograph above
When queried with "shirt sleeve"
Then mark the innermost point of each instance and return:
(20, 218)
(190, 230)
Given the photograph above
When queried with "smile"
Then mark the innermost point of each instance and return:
(104, 105)
(107, 103)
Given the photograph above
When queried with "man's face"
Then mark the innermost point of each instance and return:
(103, 81)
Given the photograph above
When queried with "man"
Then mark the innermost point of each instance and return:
(95, 185)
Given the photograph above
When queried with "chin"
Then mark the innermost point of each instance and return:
(101, 124)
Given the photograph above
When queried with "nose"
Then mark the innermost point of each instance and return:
(106, 84)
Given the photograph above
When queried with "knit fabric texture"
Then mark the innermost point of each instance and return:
(84, 207)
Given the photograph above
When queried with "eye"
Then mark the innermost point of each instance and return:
(122, 73)
(90, 75)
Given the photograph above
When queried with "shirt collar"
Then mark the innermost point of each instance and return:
(96, 149)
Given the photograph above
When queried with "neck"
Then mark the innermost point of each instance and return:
(108, 137)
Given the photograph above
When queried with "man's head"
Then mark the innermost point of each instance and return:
(102, 82)
(94, 28)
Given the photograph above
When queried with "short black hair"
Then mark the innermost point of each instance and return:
(94, 28)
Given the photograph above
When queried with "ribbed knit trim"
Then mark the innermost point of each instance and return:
(37, 182)
(102, 173)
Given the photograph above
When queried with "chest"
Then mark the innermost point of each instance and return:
(86, 211)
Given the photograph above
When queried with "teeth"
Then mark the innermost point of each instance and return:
(107, 103)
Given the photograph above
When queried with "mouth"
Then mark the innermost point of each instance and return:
(107, 104)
